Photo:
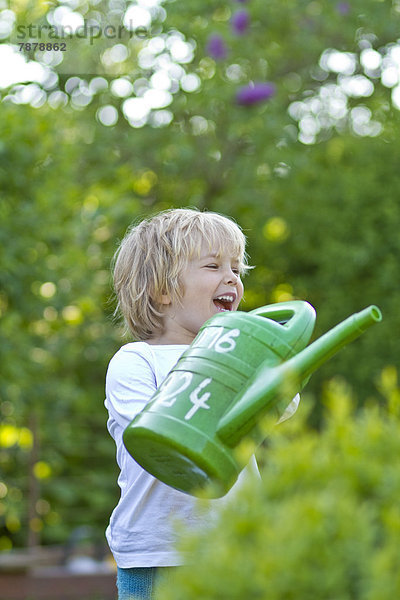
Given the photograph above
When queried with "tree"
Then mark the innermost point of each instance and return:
(306, 162)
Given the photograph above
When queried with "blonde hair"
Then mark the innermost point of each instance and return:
(152, 255)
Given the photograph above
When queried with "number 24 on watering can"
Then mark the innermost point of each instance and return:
(222, 343)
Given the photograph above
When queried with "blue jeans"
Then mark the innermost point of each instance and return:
(138, 583)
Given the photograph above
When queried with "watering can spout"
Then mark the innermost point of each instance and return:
(267, 384)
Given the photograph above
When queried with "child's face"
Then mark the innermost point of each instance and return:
(211, 284)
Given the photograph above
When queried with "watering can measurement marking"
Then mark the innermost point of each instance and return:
(198, 402)
(225, 339)
(239, 367)
(170, 398)
(223, 344)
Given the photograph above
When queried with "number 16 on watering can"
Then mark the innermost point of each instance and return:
(225, 382)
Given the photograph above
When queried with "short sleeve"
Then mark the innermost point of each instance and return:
(130, 382)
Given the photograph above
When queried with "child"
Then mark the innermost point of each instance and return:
(172, 273)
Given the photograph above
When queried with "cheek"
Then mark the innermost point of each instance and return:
(240, 291)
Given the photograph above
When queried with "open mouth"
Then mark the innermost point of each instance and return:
(224, 303)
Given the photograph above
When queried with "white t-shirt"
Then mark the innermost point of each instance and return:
(142, 528)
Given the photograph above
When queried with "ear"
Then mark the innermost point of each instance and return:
(165, 299)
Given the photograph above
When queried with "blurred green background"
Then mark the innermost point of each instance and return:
(121, 128)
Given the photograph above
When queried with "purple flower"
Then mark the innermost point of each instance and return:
(216, 47)
(240, 21)
(343, 8)
(254, 93)
(242, 1)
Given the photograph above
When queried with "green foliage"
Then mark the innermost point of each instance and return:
(338, 241)
(57, 334)
(323, 522)
(321, 220)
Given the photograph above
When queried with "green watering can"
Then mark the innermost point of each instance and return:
(239, 367)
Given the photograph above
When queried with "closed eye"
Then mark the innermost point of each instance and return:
(235, 270)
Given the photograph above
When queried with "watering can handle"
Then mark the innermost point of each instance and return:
(284, 312)
(294, 320)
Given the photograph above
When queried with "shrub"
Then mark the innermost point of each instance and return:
(323, 523)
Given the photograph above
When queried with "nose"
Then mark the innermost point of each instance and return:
(231, 277)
